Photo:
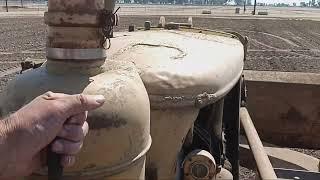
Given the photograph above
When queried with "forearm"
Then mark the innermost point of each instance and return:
(4, 146)
(7, 145)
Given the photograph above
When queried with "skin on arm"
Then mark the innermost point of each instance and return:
(54, 118)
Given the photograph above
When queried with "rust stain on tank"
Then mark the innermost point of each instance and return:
(101, 121)
(63, 23)
(88, 8)
(52, 43)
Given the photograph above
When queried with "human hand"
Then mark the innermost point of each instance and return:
(54, 118)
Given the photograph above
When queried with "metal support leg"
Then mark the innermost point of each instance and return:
(232, 128)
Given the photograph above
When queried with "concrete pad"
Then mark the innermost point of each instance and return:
(283, 77)
(279, 157)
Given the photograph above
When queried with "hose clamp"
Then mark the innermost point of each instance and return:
(76, 54)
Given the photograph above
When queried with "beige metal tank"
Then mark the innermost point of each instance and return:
(119, 139)
(183, 71)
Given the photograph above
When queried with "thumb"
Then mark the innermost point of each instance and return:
(75, 104)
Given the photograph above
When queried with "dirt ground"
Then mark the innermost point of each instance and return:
(279, 45)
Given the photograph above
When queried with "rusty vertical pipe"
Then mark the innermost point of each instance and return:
(7, 6)
(263, 163)
(75, 32)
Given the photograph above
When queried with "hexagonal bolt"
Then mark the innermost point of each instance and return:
(147, 25)
(131, 28)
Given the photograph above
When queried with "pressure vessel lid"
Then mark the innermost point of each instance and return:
(181, 68)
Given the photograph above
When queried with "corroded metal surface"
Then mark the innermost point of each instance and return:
(79, 24)
(61, 35)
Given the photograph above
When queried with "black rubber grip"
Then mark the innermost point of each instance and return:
(55, 169)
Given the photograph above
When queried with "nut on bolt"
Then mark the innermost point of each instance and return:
(131, 28)
(147, 25)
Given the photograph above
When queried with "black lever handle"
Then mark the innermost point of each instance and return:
(55, 169)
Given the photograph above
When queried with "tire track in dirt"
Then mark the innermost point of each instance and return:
(315, 33)
(263, 44)
(275, 36)
(286, 51)
(289, 52)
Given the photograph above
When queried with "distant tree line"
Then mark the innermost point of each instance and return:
(308, 3)
(212, 2)
(204, 2)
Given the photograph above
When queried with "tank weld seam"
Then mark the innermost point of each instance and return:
(166, 45)
(180, 56)
(198, 101)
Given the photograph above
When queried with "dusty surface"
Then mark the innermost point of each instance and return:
(291, 45)
(281, 45)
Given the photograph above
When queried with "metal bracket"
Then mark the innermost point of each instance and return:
(108, 21)
(244, 41)
(244, 92)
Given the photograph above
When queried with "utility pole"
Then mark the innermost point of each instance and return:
(7, 5)
(244, 6)
(22, 3)
(254, 8)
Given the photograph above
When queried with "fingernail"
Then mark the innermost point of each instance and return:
(57, 147)
(99, 99)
